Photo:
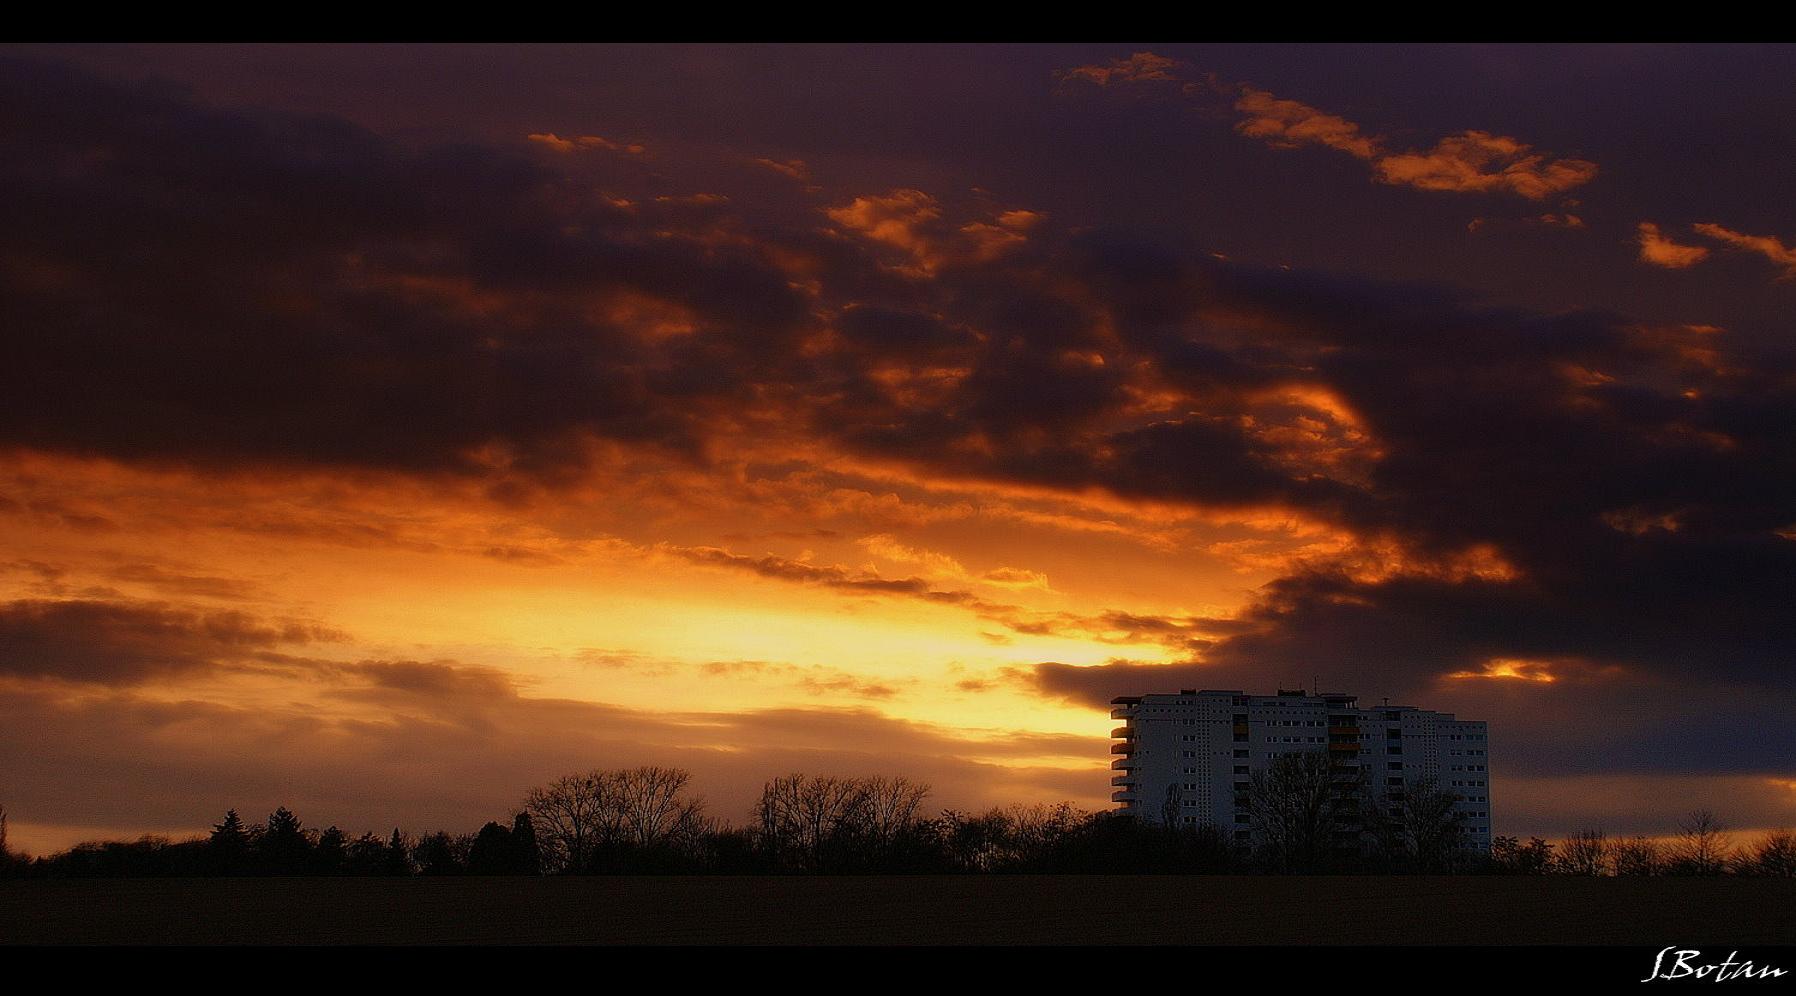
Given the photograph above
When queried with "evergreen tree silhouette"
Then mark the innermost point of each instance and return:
(283, 846)
(436, 855)
(367, 855)
(398, 858)
(491, 852)
(331, 852)
(9, 864)
(228, 843)
(525, 855)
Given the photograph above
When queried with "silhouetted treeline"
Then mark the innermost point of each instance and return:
(282, 845)
(1703, 845)
(646, 821)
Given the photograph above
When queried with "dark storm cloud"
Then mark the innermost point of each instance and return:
(893, 332)
(125, 642)
(195, 284)
(1633, 481)
(189, 283)
(435, 679)
(1630, 487)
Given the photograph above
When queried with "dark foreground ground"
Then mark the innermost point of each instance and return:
(901, 910)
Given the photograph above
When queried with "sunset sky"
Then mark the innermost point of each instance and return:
(386, 430)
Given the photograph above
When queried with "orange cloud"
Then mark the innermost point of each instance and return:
(938, 564)
(1015, 577)
(990, 240)
(1512, 669)
(1767, 246)
(1139, 67)
(581, 142)
(1479, 162)
(1288, 124)
(1639, 521)
(1658, 250)
(1470, 162)
(911, 220)
(896, 218)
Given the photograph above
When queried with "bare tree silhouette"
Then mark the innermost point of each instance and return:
(826, 823)
(1636, 856)
(653, 807)
(974, 842)
(1173, 805)
(1291, 805)
(1775, 855)
(567, 813)
(1510, 856)
(1430, 828)
(579, 819)
(807, 821)
(893, 806)
(1703, 846)
(1586, 852)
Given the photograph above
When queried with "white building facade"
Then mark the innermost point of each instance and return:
(1191, 756)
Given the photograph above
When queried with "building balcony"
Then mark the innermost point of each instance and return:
(1123, 780)
(1351, 746)
(1122, 712)
(1349, 731)
(1123, 764)
(1125, 732)
(1123, 748)
(1126, 795)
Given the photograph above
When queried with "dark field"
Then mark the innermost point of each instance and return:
(899, 910)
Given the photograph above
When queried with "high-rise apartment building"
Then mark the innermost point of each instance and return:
(1191, 756)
